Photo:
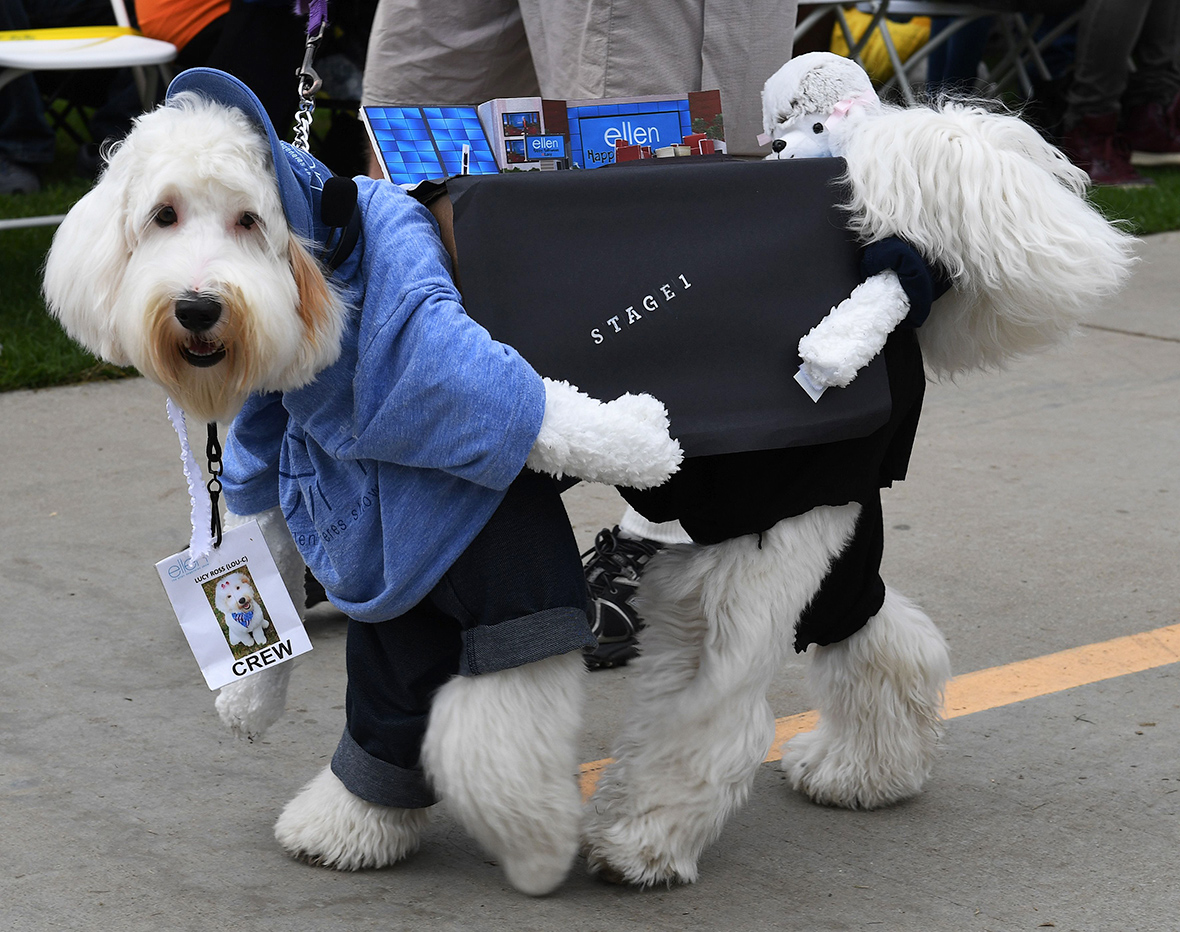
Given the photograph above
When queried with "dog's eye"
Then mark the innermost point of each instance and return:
(817, 128)
(248, 220)
(165, 216)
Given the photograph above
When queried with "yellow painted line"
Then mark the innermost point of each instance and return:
(1005, 685)
(68, 32)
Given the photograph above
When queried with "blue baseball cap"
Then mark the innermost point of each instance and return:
(300, 176)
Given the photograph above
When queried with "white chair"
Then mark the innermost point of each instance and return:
(85, 48)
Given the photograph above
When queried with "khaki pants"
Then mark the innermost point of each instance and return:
(469, 51)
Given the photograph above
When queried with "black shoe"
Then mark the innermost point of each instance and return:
(612, 576)
(314, 590)
(17, 178)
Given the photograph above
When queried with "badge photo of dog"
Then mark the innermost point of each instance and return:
(384, 439)
(979, 246)
(245, 622)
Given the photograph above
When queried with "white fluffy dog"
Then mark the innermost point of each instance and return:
(188, 260)
(244, 621)
(982, 197)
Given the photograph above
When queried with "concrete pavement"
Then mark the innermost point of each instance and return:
(1042, 513)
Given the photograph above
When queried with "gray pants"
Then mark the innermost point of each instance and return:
(469, 51)
(1110, 33)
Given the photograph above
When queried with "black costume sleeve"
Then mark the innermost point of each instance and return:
(924, 284)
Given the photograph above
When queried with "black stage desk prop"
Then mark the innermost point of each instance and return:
(692, 279)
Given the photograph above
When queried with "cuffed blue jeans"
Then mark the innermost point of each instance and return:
(515, 596)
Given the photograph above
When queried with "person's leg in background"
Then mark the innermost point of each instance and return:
(629, 49)
(26, 138)
(612, 568)
(952, 68)
(1151, 105)
(26, 141)
(1107, 34)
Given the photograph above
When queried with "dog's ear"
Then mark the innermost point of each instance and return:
(85, 266)
(320, 312)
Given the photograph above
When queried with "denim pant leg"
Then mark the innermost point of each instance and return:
(518, 590)
(394, 669)
(514, 596)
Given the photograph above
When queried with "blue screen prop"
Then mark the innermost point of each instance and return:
(426, 143)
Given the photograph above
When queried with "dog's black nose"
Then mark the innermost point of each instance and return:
(778, 145)
(198, 313)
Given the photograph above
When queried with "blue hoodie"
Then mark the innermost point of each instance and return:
(394, 458)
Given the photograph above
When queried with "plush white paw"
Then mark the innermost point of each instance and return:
(249, 706)
(621, 442)
(325, 825)
(855, 331)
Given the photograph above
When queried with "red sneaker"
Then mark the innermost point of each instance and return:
(1153, 134)
(1095, 145)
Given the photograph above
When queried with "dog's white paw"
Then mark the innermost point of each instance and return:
(836, 773)
(637, 850)
(644, 842)
(249, 706)
(501, 751)
(326, 826)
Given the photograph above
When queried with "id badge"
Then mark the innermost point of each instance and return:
(233, 607)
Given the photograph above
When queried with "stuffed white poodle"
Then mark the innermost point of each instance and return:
(954, 199)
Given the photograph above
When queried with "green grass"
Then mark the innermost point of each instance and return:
(36, 353)
(1148, 210)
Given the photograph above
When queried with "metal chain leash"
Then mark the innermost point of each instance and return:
(309, 85)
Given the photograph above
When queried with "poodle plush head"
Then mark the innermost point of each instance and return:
(808, 102)
(182, 260)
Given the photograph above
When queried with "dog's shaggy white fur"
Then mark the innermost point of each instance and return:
(181, 263)
(1004, 214)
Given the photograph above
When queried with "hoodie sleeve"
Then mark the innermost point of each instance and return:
(250, 477)
(432, 389)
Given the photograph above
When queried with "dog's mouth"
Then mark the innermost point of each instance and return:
(202, 353)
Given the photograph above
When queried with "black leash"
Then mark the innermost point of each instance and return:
(213, 454)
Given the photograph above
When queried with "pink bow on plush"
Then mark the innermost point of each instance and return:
(840, 111)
